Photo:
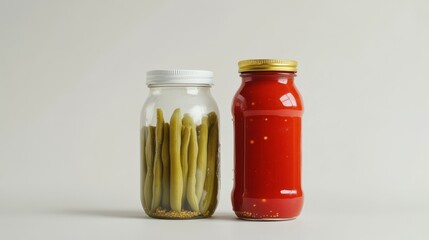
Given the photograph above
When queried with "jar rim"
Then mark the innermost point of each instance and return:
(179, 76)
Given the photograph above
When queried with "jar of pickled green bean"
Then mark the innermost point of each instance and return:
(179, 141)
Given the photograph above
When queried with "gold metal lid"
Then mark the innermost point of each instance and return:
(252, 65)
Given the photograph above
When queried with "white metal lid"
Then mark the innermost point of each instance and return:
(179, 77)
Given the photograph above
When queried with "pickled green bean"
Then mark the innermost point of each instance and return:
(186, 133)
(176, 178)
(157, 168)
(165, 168)
(213, 202)
(212, 154)
(212, 119)
(143, 166)
(150, 143)
(187, 124)
(192, 156)
(202, 157)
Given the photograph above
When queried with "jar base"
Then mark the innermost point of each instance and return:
(266, 219)
(161, 213)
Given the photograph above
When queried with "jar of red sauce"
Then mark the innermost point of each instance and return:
(267, 112)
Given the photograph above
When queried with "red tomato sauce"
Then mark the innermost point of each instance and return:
(267, 112)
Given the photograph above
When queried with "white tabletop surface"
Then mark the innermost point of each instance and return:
(115, 222)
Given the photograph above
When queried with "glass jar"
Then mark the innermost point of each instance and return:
(267, 112)
(179, 145)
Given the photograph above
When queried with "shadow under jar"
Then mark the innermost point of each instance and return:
(267, 112)
(179, 145)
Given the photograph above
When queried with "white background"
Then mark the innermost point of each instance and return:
(72, 83)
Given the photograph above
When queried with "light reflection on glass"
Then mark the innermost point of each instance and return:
(192, 90)
(288, 192)
(288, 100)
(283, 80)
(197, 113)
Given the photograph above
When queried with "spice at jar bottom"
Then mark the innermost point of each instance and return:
(179, 166)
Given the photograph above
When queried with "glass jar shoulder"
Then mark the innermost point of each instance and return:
(195, 101)
(257, 95)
